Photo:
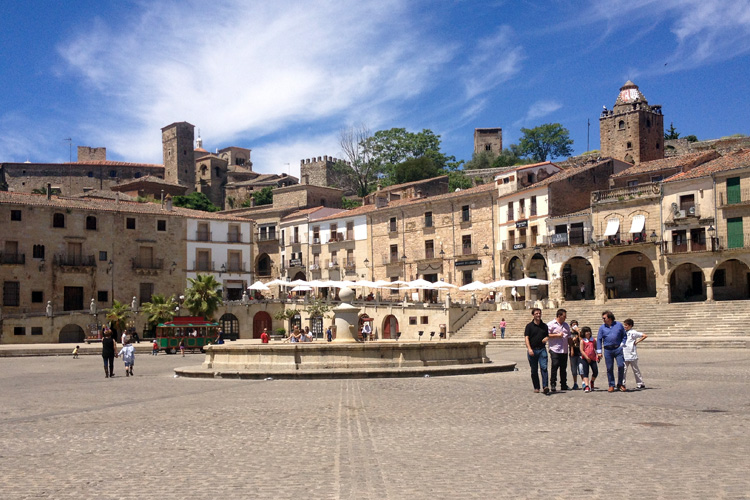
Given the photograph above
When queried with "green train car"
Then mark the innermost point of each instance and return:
(194, 331)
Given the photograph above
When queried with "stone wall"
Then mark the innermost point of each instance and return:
(87, 154)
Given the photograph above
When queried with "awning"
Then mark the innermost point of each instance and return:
(612, 227)
(639, 222)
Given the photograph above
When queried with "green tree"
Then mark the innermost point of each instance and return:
(316, 308)
(118, 315)
(348, 203)
(159, 310)
(483, 159)
(415, 169)
(195, 201)
(264, 196)
(457, 180)
(671, 133)
(691, 138)
(202, 298)
(550, 140)
(397, 145)
(359, 170)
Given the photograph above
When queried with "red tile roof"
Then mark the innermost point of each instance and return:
(731, 161)
(686, 162)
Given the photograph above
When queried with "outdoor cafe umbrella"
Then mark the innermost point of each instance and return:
(301, 288)
(258, 285)
(473, 286)
(528, 282)
(420, 284)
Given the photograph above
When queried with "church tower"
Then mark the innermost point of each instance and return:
(178, 153)
(633, 131)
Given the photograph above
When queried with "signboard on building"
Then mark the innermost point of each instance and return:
(468, 262)
(559, 239)
(522, 224)
(295, 262)
(519, 246)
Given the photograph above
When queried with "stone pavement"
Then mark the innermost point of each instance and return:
(67, 432)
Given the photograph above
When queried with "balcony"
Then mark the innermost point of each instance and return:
(295, 240)
(468, 250)
(315, 267)
(203, 236)
(12, 258)
(651, 190)
(429, 254)
(679, 216)
(264, 236)
(236, 268)
(390, 259)
(573, 237)
(332, 263)
(350, 264)
(203, 266)
(686, 246)
(737, 198)
(736, 241)
(234, 237)
(139, 263)
(75, 260)
(340, 237)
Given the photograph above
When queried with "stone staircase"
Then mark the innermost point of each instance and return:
(687, 324)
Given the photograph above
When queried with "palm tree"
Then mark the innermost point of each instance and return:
(159, 310)
(118, 315)
(202, 298)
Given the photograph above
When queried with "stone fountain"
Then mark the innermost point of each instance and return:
(345, 357)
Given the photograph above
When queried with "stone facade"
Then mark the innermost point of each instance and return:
(488, 139)
(317, 171)
(86, 154)
(178, 154)
(633, 131)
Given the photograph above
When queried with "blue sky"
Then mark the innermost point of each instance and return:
(283, 78)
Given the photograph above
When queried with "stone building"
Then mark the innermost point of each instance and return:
(633, 131)
(318, 171)
(415, 189)
(488, 139)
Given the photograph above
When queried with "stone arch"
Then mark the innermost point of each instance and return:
(299, 276)
(230, 325)
(71, 333)
(687, 283)
(261, 320)
(630, 274)
(536, 267)
(263, 265)
(390, 327)
(576, 271)
(731, 280)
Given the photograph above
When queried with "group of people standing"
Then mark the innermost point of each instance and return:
(615, 342)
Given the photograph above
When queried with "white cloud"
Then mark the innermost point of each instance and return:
(538, 110)
(496, 59)
(243, 69)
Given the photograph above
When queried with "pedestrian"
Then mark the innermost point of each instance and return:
(219, 337)
(109, 345)
(75, 353)
(559, 346)
(366, 330)
(329, 334)
(502, 328)
(536, 335)
(575, 352)
(630, 354)
(308, 334)
(611, 338)
(264, 336)
(588, 360)
(155, 348)
(124, 335)
(494, 332)
(182, 347)
(128, 356)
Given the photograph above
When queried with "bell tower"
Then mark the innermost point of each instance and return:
(632, 131)
(178, 154)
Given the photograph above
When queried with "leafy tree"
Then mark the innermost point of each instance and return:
(360, 170)
(483, 159)
(202, 298)
(415, 169)
(348, 203)
(159, 310)
(548, 140)
(691, 138)
(457, 180)
(195, 201)
(671, 133)
(264, 196)
(397, 145)
(316, 308)
(248, 202)
(118, 315)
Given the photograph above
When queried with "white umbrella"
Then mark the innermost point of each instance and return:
(364, 284)
(528, 282)
(382, 284)
(258, 285)
(473, 286)
(278, 281)
(298, 283)
(420, 284)
(301, 288)
(500, 284)
(443, 284)
(341, 284)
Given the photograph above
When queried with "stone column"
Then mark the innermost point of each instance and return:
(709, 291)
(346, 318)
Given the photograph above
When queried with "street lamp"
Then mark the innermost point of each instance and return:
(711, 231)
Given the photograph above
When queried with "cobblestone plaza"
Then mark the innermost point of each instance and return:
(67, 432)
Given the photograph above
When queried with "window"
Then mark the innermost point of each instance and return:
(629, 145)
(349, 231)
(147, 290)
(113, 173)
(621, 125)
(58, 220)
(203, 260)
(429, 249)
(130, 223)
(36, 330)
(37, 296)
(161, 225)
(394, 290)
(424, 320)
(316, 235)
(657, 178)
(687, 203)
(137, 175)
(467, 277)
(103, 256)
(488, 147)
(633, 183)
(102, 296)
(533, 205)
(19, 330)
(203, 232)
(333, 228)
(466, 244)
(511, 215)
(90, 174)
(392, 225)
(428, 219)
(11, 293)
(394, 254)
(91, 223)
(15, 215)
(412, 319)
(38, 251)
(465, 215)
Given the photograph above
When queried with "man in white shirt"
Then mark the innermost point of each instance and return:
(559, 337)
(629, 353)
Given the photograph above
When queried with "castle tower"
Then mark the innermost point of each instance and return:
(633, 131)
(488, 139)
(318, 171)
(179, 157)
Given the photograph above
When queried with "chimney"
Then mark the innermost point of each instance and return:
(169, 202)
(49, 191)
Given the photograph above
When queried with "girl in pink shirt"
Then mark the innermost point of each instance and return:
(588, 360)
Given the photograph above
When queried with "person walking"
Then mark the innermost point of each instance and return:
(630, 354)
(264, 336)
(575, 352)
(559, 345)
(588, 360)
(536, 335)
(109, 345)
(502, 328)
(128, 356)
(611, 339)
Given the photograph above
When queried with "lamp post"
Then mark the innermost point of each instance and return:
(711, 231)
(403, 259)
(367, 266)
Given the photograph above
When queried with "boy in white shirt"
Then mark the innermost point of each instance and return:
(630, 354)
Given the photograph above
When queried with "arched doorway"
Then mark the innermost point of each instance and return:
(230, 325)
(299, 276)
(630, 274)
(576, 272)
(538, 269)
(71, 334)
(263, 266)
(261, 320)
(686, 284)
(514, 272)
(390, 327)
(731, 280)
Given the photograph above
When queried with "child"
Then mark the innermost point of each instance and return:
(588, 360)
(128, 356)
(575, 352)
(182, 347)
(494, 332)
(630, 354)
(155, 348)
(75, 353)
